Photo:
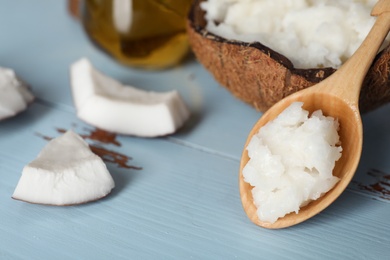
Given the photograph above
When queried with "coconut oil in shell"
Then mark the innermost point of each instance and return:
(148, 34)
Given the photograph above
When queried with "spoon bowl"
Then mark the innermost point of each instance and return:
(337, 96)
(350, 133)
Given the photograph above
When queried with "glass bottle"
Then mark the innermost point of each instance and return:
(149, 34)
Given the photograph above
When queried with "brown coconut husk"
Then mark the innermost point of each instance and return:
(261, 76)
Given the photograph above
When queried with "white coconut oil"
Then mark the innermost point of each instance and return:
(291, 161)
(311, 33)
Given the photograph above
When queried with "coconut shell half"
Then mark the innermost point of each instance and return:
(261, 77)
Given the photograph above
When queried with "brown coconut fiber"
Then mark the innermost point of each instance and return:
(261, 77)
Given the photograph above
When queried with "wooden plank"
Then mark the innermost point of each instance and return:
(184, 202)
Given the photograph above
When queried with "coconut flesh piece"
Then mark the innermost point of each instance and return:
(107, 104)
(316, 33)
(291, 161)
(65, 172)
(15, 96)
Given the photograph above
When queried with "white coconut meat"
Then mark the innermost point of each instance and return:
(15, 96)
(107, 104)
(311, 33)
(66, 172)
(291, 161)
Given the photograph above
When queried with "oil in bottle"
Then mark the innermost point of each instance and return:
(148, 34)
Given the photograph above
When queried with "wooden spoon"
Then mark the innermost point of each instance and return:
(336, 96)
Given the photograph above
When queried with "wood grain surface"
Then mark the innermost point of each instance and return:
(176, 197)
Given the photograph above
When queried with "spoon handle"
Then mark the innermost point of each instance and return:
(346, 82)
(380, 7)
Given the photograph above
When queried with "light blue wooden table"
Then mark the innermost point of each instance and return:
(184, 202)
